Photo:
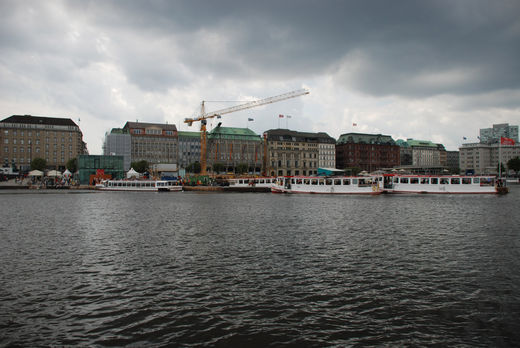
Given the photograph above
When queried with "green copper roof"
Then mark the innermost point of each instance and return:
(420, 143)
(189, 134)
(233, 133)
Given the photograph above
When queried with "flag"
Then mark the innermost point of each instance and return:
(289, 116)
(280, 116)
(464, 138)
(354, 124)
(250, 119)
(506, 141)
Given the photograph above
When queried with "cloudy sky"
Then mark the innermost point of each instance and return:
(434, 70)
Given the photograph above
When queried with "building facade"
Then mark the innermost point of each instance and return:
(479, 158)
(26, 137)
(297, 153)
(91, 166)
(118, 143)
(153, 142)
(327, 152)
(368, 152)
(189, 148)
(234, 147)
(493, 135)
(453, 161)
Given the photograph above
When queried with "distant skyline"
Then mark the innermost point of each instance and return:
(429, 70)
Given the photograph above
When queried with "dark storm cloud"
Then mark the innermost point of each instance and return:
(407, 48)
(414, 48)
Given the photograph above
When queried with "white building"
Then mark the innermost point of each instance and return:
(483, 158)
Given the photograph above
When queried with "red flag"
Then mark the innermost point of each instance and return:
(506, 141)
(280, 116)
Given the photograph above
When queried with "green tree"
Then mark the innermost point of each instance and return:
(242, 168)
(514, 164)
(38, 164)
(140, 166)
(72, 165)
(193, 168)
(219, 167)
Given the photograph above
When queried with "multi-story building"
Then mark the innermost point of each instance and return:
(26, 137)
(232, 147)
(368, 152)
(479, 158)
(493, 135)
(189, 148)
(297, 153)
(452, 161)
(118, 143)
(153, 142)
(326, 152)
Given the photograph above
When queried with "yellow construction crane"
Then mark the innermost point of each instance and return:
(204, 116)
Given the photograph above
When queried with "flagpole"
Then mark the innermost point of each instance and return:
(499, 159)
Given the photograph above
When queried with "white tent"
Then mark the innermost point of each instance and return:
(67, 173)
(132, 174)
(35, 173)
(54, 173)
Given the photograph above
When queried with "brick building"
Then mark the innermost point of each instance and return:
(368, 152)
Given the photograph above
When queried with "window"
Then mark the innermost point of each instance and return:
(476, 180)
(404, 180)
(425, 181)
(466, 181)
(455, 181)
(435, 181)
(414, 180)
(445, 181)
(346, 181)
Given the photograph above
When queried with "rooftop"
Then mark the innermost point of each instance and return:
(29, 119)
(281, 134)
(364, 138)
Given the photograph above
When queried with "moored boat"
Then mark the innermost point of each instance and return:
(399, 183)
(139, 185)
(266, 182)
(369, 185)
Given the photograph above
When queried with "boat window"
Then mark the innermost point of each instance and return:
(321, 182)
(306, 181)
(486, 182)
(425, 181)
(337, 181)
(328, 181)
(434, 181)
(445, 181)
(292, 181)
(262, 181)
(404, 180)
(240, 181)
(314, 182)
(346, 181)
(414, 180)
(396, 180)
(476, 180)
(466, 181)
(455, 181)
(299, 181)
(354, 181)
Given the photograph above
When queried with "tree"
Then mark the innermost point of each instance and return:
(219, 167)
(193, 168)
(242, 168)
(514, 164)
(72, 165)
(38, 164)
(140, 166)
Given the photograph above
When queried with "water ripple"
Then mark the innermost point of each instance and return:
(261, 270)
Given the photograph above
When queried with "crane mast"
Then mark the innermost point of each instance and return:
(204, 116)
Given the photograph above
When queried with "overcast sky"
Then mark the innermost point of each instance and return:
(429, 70)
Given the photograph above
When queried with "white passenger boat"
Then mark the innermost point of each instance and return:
(398, 183)
(266, 182)
(139, 185)
(368, 185)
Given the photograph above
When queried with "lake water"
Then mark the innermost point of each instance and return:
(259, 269)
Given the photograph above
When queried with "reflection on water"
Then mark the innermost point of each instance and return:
(259, 269)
